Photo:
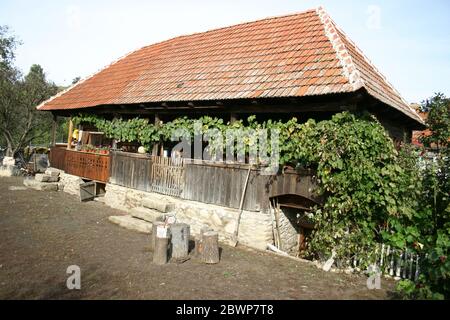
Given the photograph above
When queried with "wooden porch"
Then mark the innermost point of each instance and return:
(208, 182)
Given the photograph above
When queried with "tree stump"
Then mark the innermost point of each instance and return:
(210, 247)
(180, 233)
(198, 241)
(153, 236)
(160, 253)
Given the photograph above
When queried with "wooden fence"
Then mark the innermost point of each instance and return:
(82, 164)
(399, 264)
(147, 173)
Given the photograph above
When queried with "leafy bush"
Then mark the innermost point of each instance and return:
(431, 222)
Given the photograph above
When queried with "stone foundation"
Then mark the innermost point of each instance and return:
(255, 228)
(71, 183)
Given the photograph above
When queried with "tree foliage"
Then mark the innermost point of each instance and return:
(431, 221)
(20, 122)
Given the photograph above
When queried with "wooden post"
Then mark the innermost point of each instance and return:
(233, 117)
(180, 233)
(155, 225)
(156, 145)
(210, 247)
(54, 123)
(69, 137)
(160, 253)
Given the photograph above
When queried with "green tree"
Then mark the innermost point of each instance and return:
(438, 121)
(20, 122)
(431, 222)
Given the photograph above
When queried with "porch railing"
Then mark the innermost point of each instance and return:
(82, 164)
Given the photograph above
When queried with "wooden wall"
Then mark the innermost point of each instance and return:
(131, 170)
(223, 184)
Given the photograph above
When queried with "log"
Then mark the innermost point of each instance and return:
(160, 253)
(198, 241)
(210, 247)
(180, 233)
(153, 236)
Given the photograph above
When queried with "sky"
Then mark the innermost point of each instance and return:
(408, 41)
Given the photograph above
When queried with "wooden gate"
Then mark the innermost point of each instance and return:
(167, 176)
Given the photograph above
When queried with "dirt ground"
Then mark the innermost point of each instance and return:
(42, 233)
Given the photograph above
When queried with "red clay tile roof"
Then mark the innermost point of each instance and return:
(297, 55)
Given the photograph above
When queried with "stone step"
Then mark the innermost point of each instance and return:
(52, 172)
(38, 185)
(42, 177)
(157, 204)
(132, 223)
(146, 214)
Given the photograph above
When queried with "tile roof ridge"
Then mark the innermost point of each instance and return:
(324, 16)
(350, 70)
(246, 23)
(89, 77)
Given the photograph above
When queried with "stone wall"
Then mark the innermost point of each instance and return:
(288, 231)
(68, 183)
(255, 228)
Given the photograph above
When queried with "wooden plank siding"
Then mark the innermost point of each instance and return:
(222, 184)
(131, 170)
(147, 173)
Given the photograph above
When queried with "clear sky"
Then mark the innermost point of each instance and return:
(409, 41)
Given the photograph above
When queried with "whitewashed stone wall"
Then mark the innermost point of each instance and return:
(288, 233)
(255, 228)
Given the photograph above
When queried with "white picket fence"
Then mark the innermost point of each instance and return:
(394, 263)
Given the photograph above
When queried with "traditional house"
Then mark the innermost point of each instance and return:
(299, 65)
